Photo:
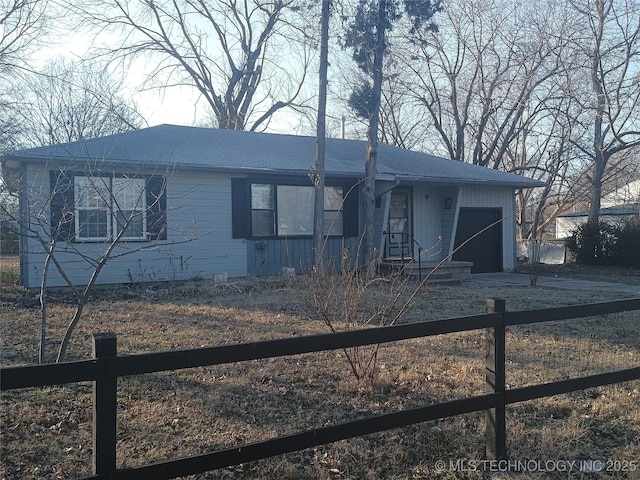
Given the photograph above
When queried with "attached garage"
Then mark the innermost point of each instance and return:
(479, 239)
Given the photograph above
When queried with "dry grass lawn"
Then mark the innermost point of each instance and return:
(46, 433)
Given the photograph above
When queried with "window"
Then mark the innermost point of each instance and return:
(333, 216)
(262, 211)
(295, 210)
(93, 221)
(266, 209)
(129, 206)
(106, 207)
(97, 208)
(287, 210)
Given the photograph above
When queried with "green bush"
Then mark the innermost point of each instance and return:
(627, 253)
(603, 243)
(9, 279)
(592, 243)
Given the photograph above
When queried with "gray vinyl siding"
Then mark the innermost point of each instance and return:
(199, 233)
(33, 199)
(496, 197)
(270, 256)
(449, 218)
(198, 244)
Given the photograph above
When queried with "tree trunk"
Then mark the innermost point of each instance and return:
(594, 200)
(318, 181)
(368, 190)
(599, 159)
(62, 352)
(43, 309)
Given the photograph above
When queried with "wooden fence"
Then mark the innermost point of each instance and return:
(106, 367)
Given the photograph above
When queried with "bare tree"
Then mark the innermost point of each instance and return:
(10, 126)
(120, 214)
(321, 133)
(21, 24)
(477, 75)
(73, 101)
(130, 207)
(495, 88)
(71, 104)
(544, 151)
(609, 46)
(367, 37)
(237, 54)
(403, 121)
(503, 85)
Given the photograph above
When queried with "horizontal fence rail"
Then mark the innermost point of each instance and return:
(125, 365)
(85, 370)
(107, 367)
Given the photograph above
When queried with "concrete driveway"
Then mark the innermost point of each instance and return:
(522, 280)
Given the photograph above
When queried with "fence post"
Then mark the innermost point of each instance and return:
(496, 428)
(104, 406)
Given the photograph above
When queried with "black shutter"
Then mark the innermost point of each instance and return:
(157, 208)
(240, 208)
(62, 205)
(350, 209)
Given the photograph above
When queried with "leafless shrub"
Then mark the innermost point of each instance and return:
(350, 299)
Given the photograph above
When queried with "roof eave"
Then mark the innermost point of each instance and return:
(471, 181)
(102, 162)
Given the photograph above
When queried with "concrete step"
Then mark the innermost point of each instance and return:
(433, 277)
(447, 272)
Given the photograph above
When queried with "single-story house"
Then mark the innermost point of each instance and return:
(190, 202)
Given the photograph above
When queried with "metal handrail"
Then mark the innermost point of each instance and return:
(414, 242)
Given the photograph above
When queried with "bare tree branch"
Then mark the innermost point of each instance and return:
(233, 52)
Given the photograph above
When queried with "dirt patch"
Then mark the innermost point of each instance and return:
(47, 432)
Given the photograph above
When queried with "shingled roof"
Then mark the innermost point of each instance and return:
(194, 148)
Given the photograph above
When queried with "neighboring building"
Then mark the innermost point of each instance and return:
(616, 207)
(569, 222)
(242, 203)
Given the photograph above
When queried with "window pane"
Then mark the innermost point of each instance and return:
(93, 223)
(129, 206)
(295, 210)
(262, 223)
(333, 223)
(333, 198)
(129, 193)
(262, 213)
(398, 205)
(261, 196)
(92, 201)
(91, 192)
(397, 225)
(135, 229)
